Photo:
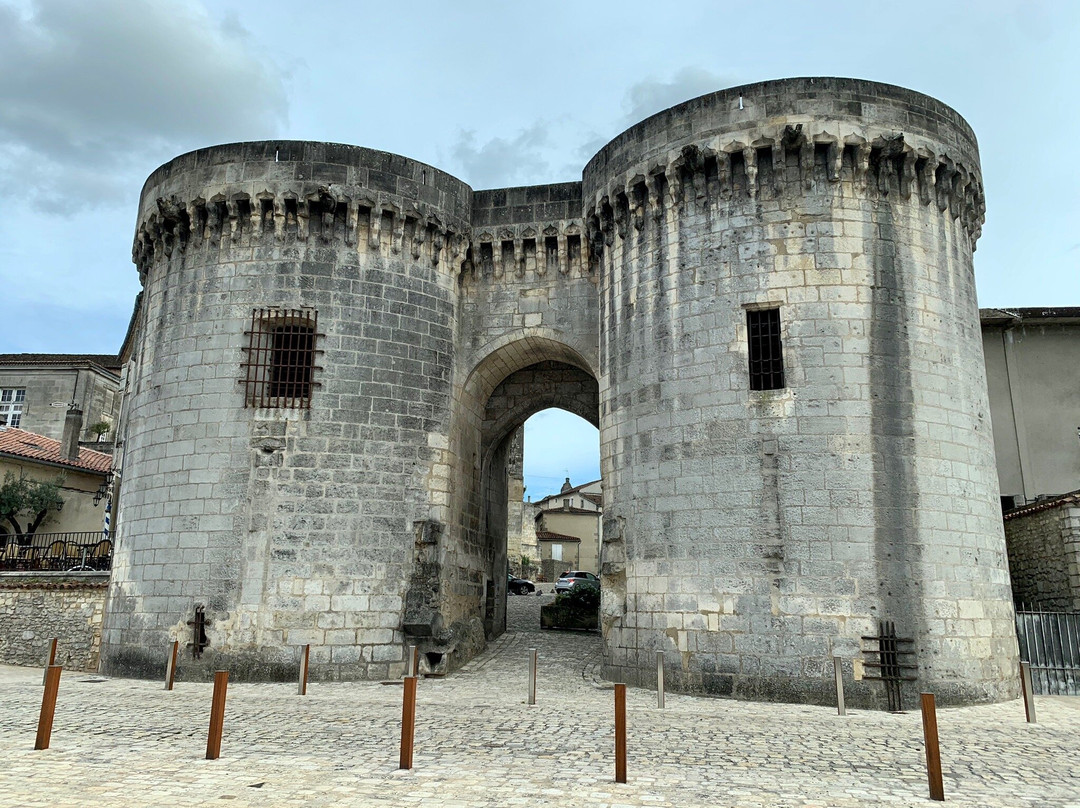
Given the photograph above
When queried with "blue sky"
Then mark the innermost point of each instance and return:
(97, 93)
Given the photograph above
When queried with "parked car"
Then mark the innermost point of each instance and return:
(575, 578)
(519, 586)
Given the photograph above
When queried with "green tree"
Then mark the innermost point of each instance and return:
(28, 500)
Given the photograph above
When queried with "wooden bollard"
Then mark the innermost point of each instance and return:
(217, 715)
(620, 733)
(408, 722)
(305, 655)
(170, 665)
(51, 660)
(933, 752)
(838, 676)
(48, 707)
(1029, 693)
(660, 679)
(532, 675)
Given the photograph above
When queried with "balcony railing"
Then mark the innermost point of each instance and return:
(56, 552)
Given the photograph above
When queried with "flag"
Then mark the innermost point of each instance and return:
(108, 517)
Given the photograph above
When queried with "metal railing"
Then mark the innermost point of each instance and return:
(1050, 643)
(55, 552)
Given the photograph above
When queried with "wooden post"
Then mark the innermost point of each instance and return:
(838, 675)
(170, 665)
(532, 675)
(933, 753)
(217, 715)
(51, 661)
(660, 679)
(620, 733)
(1029, 693)
(408, 722)
(301, 688)
(48, 706)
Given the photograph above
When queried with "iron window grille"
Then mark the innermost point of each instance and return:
(766, 349)
(11, 406)
(281, 351)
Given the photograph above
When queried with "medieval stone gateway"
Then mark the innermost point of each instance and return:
(763, 297)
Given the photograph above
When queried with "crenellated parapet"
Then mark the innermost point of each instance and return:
(252, 195)
(528, 232)
(779, 145)
(786, 166)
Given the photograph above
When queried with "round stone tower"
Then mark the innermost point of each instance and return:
(276, 274)
(796, 443)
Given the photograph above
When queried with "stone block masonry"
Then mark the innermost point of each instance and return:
(1044, 553)
(750, 533)
(37, 607)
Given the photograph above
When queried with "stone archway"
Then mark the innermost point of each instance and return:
(517, 379)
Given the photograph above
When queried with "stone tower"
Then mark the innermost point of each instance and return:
(764, 298)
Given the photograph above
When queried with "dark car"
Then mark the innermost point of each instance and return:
(575, 578)
(519, 586)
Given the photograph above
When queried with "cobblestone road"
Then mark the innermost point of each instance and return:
(122, 742)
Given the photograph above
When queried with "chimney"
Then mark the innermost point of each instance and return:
(69, 441)
(566, 486)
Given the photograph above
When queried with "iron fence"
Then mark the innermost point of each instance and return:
(1050, 643)
(55, 552)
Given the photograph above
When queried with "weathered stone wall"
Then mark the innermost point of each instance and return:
(291, 526)
(1044, 554)
(752, 535)
(34, 608)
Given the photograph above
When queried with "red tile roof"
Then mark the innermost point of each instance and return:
(545, 535)
(20, 443)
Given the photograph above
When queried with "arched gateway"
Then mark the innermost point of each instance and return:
(764, 298)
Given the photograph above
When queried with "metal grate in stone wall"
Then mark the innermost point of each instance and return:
(765, 349)
(1050, 643)
(894, 662)
(281, 350)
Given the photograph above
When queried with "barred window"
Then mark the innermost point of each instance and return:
(766, 349)
(280, 366)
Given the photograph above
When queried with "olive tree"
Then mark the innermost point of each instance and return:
(26, 503)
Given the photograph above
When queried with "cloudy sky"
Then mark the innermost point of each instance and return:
(97, 93)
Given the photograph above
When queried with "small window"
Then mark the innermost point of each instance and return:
(11, 406)
(766, 350)
(280, 368)
(556, 552)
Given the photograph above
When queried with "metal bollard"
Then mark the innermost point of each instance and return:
(412, 662)
(838, 675)
(170, 665)
(620, 733)
(532, 675)
(408, 723)
(305, 655)
(1029, 693)
(48, 707)
(933, 752)
(660, 679)
(217, 715)
(51, 661)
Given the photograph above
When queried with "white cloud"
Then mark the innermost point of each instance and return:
(652, 95)
(501, 162)
(96, 93)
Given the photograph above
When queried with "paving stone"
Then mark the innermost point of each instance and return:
(120, 742)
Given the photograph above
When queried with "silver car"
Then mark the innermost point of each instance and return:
(575, 578)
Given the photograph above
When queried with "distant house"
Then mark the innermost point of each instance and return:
(72, 536)
(569, 529)
(36, 391)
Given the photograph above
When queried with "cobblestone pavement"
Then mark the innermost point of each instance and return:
(125, 742)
